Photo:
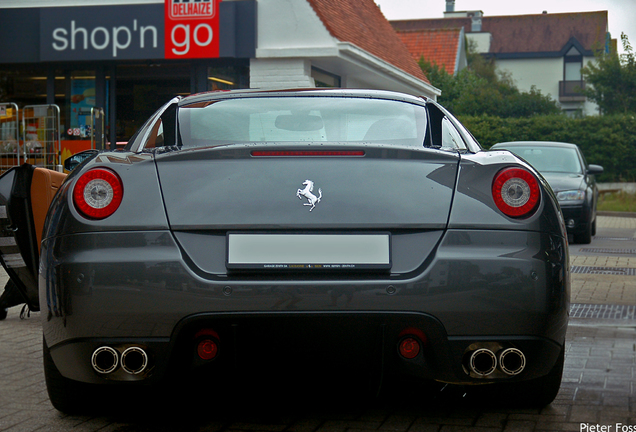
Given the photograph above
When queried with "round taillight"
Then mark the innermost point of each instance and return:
(516, 192)
(409, 348)
(207, 349)
(98, 193)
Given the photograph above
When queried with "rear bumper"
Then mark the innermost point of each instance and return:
(504, 289)
(325, 348)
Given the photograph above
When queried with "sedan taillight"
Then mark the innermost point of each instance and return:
(516, 192)
(98, 193)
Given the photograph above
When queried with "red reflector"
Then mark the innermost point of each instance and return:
(207, 349)
(409, 348)
(308, 153)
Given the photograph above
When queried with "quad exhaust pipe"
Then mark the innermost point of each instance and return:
(105, 360)
(512, 361)
(133, 360)
(483, 362)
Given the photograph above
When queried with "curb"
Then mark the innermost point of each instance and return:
(616, 214)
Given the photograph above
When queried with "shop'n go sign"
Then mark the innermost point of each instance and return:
(191, 29)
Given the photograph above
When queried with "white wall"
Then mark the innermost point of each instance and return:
(590, 108)
(280, 73)
(289, 24)
(481, 41)
(545, 74)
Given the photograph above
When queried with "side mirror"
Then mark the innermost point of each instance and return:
(594, 169)
(72, 162)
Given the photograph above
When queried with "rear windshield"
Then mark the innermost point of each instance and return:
(307, 119)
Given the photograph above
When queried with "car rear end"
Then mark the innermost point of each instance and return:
(346, 255)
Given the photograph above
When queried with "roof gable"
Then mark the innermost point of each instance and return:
(527, 34)
(437, 46)
(546, 32)
(361, 23)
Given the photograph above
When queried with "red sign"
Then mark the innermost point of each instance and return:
(191, 29)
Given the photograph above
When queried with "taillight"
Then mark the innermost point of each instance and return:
(320, 153)
(516, 192)
(98, 193)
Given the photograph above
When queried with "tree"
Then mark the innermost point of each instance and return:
(481, 89)
(612, 81)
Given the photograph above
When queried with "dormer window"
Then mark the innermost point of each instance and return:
(573, 63)
(572, 86)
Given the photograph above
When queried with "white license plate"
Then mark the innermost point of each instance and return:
(309, 251)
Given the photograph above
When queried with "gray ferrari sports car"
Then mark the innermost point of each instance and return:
(345, 236)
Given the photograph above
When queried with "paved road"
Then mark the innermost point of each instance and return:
(598, 390)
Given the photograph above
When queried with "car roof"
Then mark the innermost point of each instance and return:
(533, 144)
(331, 92)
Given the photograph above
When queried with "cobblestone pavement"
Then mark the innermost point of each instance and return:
(598, 393)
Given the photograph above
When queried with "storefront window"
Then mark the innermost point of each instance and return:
(80, 102)
(228, 77)
(143, 88)
(23, 86)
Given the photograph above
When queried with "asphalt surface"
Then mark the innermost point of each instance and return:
(598, 393)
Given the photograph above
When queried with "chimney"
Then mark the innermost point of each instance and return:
(475, 21)
(450, 5)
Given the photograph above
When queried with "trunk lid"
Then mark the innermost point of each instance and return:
(228, 188)
(233, 211)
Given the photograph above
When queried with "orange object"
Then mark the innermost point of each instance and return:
(44, 186)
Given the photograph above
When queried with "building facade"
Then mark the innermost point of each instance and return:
(125, 58)
(545, 51)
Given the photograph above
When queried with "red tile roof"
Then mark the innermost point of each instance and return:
(438, 46)
(361, 23)
(528, 33)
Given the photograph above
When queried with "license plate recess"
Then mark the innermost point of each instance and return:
(315, 251)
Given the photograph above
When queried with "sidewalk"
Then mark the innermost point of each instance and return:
(604, 287)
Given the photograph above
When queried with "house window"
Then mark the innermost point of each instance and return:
(324, 79)
(573, 62)
(572, 86)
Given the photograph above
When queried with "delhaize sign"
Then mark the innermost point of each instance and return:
(191, 29)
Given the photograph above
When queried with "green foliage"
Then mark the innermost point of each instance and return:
(612, 81)
(617, 201)
(609, 141)
(480, 89)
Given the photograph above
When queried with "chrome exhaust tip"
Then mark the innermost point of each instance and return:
(483, 362)
(134, 360)
(105, 360)
(512, 361)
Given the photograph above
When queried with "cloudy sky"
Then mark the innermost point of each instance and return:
(621, 13)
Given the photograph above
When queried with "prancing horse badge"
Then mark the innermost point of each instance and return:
(307, 193)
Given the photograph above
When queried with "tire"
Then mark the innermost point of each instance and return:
(3, 313)
(594, 228)
(586, 236)
(67, 396)
(538, 392)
